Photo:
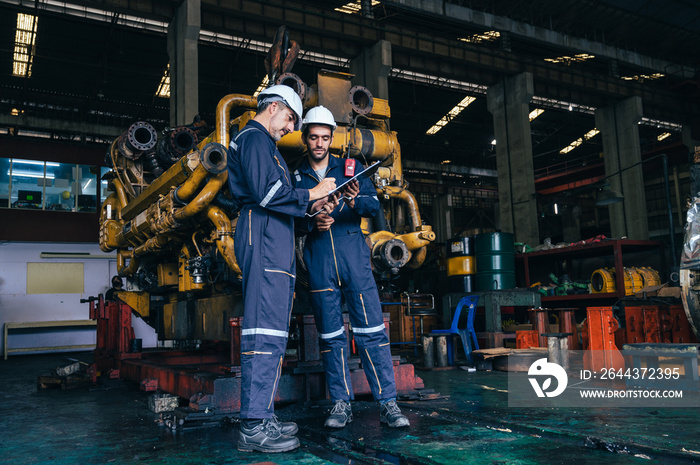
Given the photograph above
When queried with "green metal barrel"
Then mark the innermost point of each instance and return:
(495, 261)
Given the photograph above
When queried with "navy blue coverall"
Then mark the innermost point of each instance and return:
(339, 262)
(264, 247)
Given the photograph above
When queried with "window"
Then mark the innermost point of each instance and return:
(34, 184)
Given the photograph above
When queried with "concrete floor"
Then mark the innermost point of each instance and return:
(473, 426)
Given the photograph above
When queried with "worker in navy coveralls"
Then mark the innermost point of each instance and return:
(338, 260)
(264, 247)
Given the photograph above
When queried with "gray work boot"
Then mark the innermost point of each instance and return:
(288, 428)
(266, 436)
(390, 413)
(341, 415)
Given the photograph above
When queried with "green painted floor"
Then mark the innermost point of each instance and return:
(473, 426)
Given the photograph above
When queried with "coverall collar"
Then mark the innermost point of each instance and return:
(333, 162)
(258, 125)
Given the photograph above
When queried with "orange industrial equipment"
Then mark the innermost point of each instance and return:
(598, 335)
(657, 323)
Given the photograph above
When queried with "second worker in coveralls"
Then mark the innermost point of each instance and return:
(264, 247)
(338, 260)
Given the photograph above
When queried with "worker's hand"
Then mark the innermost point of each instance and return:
(350, 193)
(323, 222)
(327, 204)
(322, 189)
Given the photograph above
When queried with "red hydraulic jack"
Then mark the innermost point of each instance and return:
(598, 336)
(114, 331)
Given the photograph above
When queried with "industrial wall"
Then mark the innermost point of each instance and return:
(33, 288)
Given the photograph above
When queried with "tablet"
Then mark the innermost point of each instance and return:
(358, 177)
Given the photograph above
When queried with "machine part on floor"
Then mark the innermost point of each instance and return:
(558, 348)
(427, 343)
(158, 403)
(566, 317)
(657, 323)
(598, 335)
(648, 323)
(526, 339)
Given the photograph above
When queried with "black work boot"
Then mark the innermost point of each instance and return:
(288, 428)
(341, 415)
(266, 436)
(390, 413)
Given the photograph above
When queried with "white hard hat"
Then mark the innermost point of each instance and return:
(319, 115)
(287, 95)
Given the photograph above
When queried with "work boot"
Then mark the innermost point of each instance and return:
(266, 436)
(288, 428)
(390, 413)
(341, 415)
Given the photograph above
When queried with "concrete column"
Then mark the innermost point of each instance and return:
(183, 37)
(443, 212)
(371, 69)
(617, 124)
(509, 103)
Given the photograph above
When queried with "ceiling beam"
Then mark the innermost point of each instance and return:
(450, 11)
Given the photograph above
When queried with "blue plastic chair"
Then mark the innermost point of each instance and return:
(466, 334)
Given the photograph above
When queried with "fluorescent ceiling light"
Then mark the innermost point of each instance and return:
(466, 101)
(643, 77)
(570, 59)
(353, 7)
(25, 38)
(164, 86)
(34, 162)
(488, 36)
(30, 174)
(535, 113)
(663, 136)
(262, 86)
(579, 141)
(445, 162)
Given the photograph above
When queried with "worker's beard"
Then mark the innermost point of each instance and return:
(315, 156)
(278, 125)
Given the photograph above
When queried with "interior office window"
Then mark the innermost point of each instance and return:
(4, 183)
(103, 186)
(74, 188)
(60, 195)
(87, 186)
(33, 184)
(27, 182)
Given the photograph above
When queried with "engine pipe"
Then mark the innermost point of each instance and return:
(224, 233)
(139, 138)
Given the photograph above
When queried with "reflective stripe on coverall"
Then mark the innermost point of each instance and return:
(264, 246)
(339, 261)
